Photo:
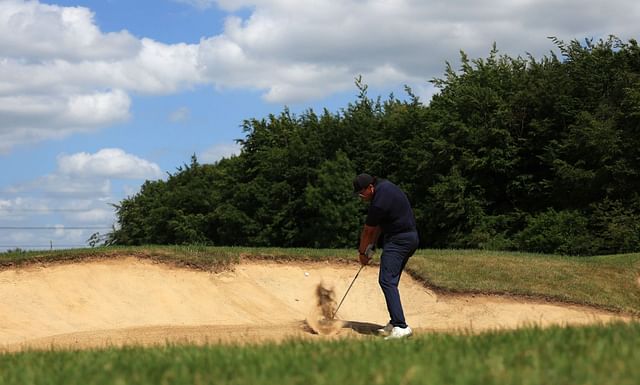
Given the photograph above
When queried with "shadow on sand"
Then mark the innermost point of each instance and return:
(363, 327)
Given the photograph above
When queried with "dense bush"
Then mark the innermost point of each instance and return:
(560, 232)
(511, 153)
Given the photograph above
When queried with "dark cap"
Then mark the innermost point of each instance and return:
(362, 181)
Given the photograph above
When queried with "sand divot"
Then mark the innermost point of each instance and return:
(321, 317)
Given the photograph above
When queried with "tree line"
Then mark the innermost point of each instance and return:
(511, 153)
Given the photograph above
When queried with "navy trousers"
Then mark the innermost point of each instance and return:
(398, 248)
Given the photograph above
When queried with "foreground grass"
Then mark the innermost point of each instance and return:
(585, 355)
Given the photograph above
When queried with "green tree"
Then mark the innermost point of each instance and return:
(511, 153)
(333, 213)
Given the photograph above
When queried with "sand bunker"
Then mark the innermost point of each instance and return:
(132, 301)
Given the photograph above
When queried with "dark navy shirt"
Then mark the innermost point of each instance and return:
(390, 209)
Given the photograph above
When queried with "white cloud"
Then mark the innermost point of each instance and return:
(53, 217)
(107, 163)
(180, 115)
(97, 108)
(76, 210)
(92, 215)
(28, 30)
(61, 185)
(219, 151)
(297, 51)
(77, 194)
(199, 4)
(27, 118)
(8, 211)
(66, 236)
(60, 74)
(88, 176)
(159, 68)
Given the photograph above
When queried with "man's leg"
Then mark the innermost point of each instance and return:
(397, 251)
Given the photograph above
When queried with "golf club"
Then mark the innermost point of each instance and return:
(368, 253)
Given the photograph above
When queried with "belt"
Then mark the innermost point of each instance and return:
(407, 230)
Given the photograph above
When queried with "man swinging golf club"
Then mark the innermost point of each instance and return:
(390, 214)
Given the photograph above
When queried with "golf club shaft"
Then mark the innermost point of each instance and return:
(345, 294)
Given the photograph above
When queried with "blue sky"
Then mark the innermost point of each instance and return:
(98, 96)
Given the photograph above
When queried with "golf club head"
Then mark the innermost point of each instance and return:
(369, 250)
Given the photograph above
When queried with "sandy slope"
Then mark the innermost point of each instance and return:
(127, 300)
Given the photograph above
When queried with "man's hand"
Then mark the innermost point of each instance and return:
(368, 239)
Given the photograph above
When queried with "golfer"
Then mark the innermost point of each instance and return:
(390, 214)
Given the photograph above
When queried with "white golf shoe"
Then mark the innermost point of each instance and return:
(398, 332)
(386, 330)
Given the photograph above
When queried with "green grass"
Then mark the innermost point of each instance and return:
(608, 282)
(202, 257)
(585, 355)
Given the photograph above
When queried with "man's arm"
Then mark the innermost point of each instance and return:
(369, 236)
